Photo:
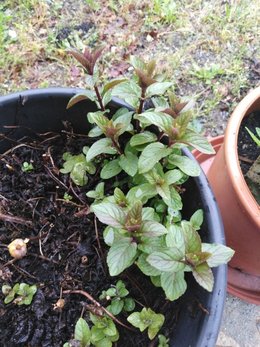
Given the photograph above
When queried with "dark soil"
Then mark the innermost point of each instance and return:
(62, 236)
(247, 148)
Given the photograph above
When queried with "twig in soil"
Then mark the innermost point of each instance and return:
(55, 178)
(23, 271)
(137, 287)
(15, 147)
(203, 308)
(13, 219)
(245, 159)
(43, 258)
(77, 196)
(88, 296)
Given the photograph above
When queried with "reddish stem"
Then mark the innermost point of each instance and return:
(99, 98)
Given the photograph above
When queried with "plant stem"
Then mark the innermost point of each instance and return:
(88, 296)
(116, 145)
(99, 98)
(140, 109)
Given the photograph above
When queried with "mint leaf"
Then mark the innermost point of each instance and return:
(157, 88)
(101, 146)
(173, 176)
(197, 219)
(152, 153)
(142, 138)
(145, 267)
(110, 214)
(173, 284)
(220, 254)
(166, 262)
(163, 121)
(129, 163)
(153, 229)
(82, 332)
(204, 276)
(110, 169)
(128, 91)
(87, 94)
(175, 238)
(142, 192)
(121, 255)
(187, 165)
(191, 237)
(197, 141)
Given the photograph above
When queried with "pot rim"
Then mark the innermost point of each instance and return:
(231, 154)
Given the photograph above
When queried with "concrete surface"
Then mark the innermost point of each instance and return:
(240, 324)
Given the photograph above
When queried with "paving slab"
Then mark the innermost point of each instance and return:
(240, 324)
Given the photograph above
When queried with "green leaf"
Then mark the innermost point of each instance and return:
(152, 153)
(220, 254)
(142, 192)
(116, 307)
(197, 141)
(152, 229)
(99, 147)
(147, 318)
(188, 166)
(129, 304)
(110, 329)
(110, 169)
(163, 342)
(82, 332)
(165, 262)
(191, 237)
(204, 276)
(175, 238)
(95, 132)
(107, 97)
(88, 94)
(172, 176)
(108, 235)
(164, 191)
(137, 63)
(134, 216)
(110, 214)
(124, 121)
(111, 84)
(158, 88)
(129, 163)
(145, 267)
(254, 137)
(99, 119)
(176, 202)
(142, 138)
(148, 213)
(121, 255)
(128, 91)
(162, 120)
(173, 284)
(197, 219)
(120, 197)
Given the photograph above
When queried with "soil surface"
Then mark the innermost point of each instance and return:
(247, 148)
(63, 252)
(248, 152)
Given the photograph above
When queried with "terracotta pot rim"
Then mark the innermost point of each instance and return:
(231, 155)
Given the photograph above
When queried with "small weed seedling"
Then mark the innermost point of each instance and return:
(147, 319)
(20, 294)
(118, 297)
(27, 167)
(256, 137)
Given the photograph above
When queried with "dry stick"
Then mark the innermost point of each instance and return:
(88, 296)
(245, 159)
(13, 219)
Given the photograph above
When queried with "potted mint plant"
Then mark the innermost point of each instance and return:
(126, 259)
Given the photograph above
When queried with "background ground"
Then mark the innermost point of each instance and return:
(210, 49)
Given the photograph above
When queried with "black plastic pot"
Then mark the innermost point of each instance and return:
(39, 111)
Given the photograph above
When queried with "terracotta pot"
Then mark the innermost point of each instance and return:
(239, 209)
